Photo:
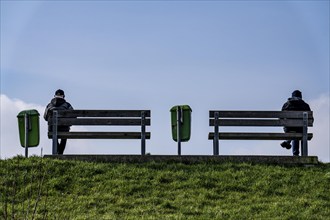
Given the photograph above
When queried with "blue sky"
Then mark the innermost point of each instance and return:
(240, 55)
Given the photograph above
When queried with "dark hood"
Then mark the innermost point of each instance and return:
(57, 102)
(294, 99)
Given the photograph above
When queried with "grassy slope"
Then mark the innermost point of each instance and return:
(52, 189)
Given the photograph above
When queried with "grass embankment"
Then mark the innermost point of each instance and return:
(37, 188)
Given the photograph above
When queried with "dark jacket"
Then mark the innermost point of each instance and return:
(295, 104)
(57, 103)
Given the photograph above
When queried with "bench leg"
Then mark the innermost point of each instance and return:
(304, 148)
(215, 147)
(216, 134)
(143, 145)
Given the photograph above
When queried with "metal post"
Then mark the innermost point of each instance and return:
(178, 124)
(26, 140)
(143, 133)
(304, 145)
(216, 134)
(55, 132)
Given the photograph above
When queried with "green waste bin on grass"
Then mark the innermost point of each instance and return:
(185, 122)
(31, 117)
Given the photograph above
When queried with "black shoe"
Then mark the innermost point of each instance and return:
(286, 145)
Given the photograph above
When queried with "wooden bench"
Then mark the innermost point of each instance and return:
(100, 118)
(260, 119)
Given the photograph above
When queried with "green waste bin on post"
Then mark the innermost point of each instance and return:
(185, 122)
(184, 114)
(28, 126)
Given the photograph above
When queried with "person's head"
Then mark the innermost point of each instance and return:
(59, 93)
(296, 94)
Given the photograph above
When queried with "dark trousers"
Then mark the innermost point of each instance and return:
(61, 146)
(295, 143)
(62, 143)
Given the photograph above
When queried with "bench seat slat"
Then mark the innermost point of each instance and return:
(260, 114)
(99, 135)
(262, 122)
(100, 121)
(103, 113)
(258, 136)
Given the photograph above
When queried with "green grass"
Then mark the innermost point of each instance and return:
(37, 188)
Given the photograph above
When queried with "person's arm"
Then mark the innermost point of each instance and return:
(285, 106)
(46, 112)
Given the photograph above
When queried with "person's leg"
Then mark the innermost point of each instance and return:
(59, 147)
(295, 147)
(286, 144)
(62, 146)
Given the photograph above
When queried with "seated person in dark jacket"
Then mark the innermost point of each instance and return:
(295, 103)
(58, 103)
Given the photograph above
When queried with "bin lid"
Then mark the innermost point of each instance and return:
(30, 112)
(183, 107)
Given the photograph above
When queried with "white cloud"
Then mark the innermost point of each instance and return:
(9, 144)
(320, 144)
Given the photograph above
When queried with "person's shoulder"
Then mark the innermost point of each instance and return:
(286, 105)
(303, 102)
(306, 104)
(50, 103)
(68, 105)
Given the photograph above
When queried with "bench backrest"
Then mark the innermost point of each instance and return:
(260, 118)
(102, 117)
